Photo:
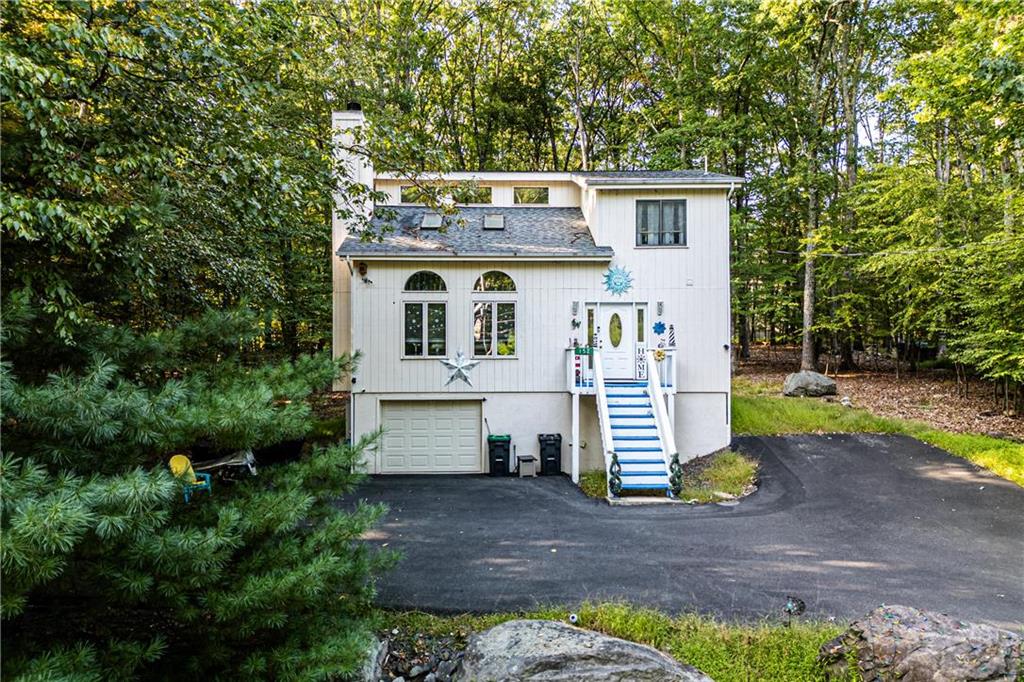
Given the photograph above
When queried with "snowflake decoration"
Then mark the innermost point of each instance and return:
(618, 280)
(659, 327)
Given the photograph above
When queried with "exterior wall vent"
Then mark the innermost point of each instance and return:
(431, 221)
(494, 221)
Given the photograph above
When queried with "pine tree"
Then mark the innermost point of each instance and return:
(109, 573)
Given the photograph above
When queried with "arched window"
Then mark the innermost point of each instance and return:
(494, 280)
(494, 317)
(426, 323)
(425, 280)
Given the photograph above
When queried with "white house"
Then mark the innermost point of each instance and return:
(594, 305)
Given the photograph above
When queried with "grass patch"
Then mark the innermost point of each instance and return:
(594, 484)
(727, 472)
(757, 412)
(726, 652)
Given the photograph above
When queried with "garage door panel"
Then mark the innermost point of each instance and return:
(431, 437)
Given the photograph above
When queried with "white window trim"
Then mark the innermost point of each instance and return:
(494, 324)
(516, 203)
(424, 332)
(686, 224)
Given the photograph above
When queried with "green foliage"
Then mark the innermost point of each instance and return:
(594, 484)
(725, 651)
(727, 472)
(264, 577)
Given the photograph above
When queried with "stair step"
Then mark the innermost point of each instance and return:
(614, 437)
(643, 473)
(626, 382)
(625, 395)
(634, 426)
(624, 462)
(645, 486)
(637, 449)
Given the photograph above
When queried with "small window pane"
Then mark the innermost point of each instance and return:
(506, 328)
(673, 222)
(471, 194)
(640, 325)
(424, 280)
(411, 194)
(530, 195)
(615, 330)
(436, 329)
(494, 281)
(482, 328)
(590, 327)
(647, 222)
(414, 329)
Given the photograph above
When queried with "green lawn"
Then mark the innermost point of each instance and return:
(726, 652)
(757, 409)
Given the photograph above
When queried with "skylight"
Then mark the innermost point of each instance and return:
(431, 221)
(494, 221)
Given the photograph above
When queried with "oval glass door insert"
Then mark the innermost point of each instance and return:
(615, 330)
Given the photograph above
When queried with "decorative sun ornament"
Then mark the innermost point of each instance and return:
(618, 280)
(459, 367)
(659, 327)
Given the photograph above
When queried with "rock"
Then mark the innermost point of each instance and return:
(373, 666)
(418, 670)
(431, 677)
(846, 402)
(900, 642)
(445, 669)
(548, 650)
(810, 384)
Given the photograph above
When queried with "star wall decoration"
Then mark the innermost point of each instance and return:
(459, 368)
(618, 280)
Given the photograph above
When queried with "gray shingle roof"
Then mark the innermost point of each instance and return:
(655, 177)
(534, 232)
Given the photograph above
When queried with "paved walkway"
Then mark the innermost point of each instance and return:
(843, 522)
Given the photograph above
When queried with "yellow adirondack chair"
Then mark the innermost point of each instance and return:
(181, 467)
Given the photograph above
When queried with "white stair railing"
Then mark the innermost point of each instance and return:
(604, 420)
(665, 431)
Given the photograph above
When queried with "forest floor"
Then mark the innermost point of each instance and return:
(929, 396)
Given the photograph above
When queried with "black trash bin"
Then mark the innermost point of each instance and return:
(550, 453)
(498, 451)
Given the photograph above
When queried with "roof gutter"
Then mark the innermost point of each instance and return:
(478, 257)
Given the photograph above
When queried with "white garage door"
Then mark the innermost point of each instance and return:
(431, 437)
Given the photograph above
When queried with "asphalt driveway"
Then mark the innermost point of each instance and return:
(843, 522)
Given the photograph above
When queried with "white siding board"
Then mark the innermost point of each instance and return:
(693, 283)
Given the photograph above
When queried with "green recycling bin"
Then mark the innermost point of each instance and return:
(499, 447)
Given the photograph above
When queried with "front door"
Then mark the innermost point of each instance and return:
(618, 345)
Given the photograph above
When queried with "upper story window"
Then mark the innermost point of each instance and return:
(661, 223)
(425, 280)
(494, 280)
(530, 195)
(461, 193)
(425, 321)
(494, 317)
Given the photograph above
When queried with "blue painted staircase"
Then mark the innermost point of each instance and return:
(635, 439)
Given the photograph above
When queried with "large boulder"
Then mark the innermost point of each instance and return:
(810, 384)
(903, 643)
(548, 650)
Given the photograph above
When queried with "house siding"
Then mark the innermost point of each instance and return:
(527, 395)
